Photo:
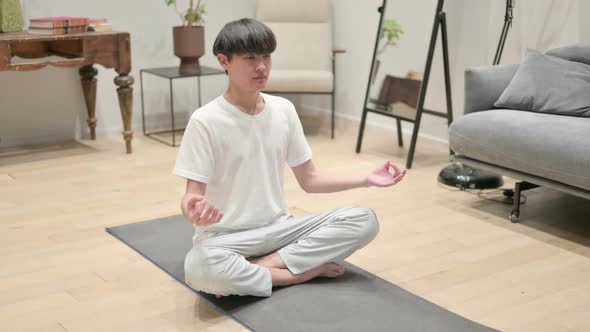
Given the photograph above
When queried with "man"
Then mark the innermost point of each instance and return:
(233, 155)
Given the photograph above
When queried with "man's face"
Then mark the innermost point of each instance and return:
(247, 71)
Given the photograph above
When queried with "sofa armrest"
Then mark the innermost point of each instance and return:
(484, 85)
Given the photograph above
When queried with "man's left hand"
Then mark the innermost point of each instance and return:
(383, 177)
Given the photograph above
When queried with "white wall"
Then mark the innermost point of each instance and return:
(48, 104)
(583, 22)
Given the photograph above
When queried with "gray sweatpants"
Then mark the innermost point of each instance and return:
(217, 264)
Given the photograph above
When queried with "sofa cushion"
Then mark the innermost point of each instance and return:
(546, 145)
(549, 84)
(578, 53)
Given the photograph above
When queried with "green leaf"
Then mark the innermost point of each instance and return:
(197, 15)
(392, 31)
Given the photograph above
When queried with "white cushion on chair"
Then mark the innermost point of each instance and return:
(302, 61)
(305, 46)
(299, 81)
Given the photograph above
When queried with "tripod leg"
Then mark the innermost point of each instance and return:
(359, 141)
(445, 49)
(424, 85)
(371, 78)
(504, 33)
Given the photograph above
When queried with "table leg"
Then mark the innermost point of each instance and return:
(125, 92)
(199, 79)
(87, 77)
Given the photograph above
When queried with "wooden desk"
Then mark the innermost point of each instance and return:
(24, 52)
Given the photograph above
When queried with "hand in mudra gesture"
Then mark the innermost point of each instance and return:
(202, 213)
(386, 175)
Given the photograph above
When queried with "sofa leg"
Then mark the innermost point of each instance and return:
(518, 188)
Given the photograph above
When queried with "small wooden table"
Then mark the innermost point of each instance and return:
(20, 51)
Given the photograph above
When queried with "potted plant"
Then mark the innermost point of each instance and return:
(11, 16)
(189, 38)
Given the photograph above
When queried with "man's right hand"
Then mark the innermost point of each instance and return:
(200, 212)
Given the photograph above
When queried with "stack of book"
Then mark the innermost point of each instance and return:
(58, 25)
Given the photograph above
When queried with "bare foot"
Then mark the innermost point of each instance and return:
(272, 260)
(332, 270)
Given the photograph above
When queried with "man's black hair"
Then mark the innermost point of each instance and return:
(244, 36)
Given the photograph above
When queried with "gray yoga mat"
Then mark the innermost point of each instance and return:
(356, 301)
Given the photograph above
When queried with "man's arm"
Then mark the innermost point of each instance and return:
(312, 181)
(195, 207)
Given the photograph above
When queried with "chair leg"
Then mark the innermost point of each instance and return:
(333, 91)
(333, 113)
(400, 139)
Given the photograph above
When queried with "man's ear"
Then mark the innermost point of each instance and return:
(223, 61)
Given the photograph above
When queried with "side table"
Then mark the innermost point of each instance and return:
(172, 73)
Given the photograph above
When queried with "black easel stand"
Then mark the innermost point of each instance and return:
(439, 22)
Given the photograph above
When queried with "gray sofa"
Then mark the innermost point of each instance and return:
(538, 149)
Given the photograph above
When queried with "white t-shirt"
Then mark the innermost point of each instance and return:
(241, 158)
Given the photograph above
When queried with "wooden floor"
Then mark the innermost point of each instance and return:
(60, 270)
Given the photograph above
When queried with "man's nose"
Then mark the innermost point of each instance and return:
(260, 66)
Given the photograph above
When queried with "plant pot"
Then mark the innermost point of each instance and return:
(189, 46)
(11, 16)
